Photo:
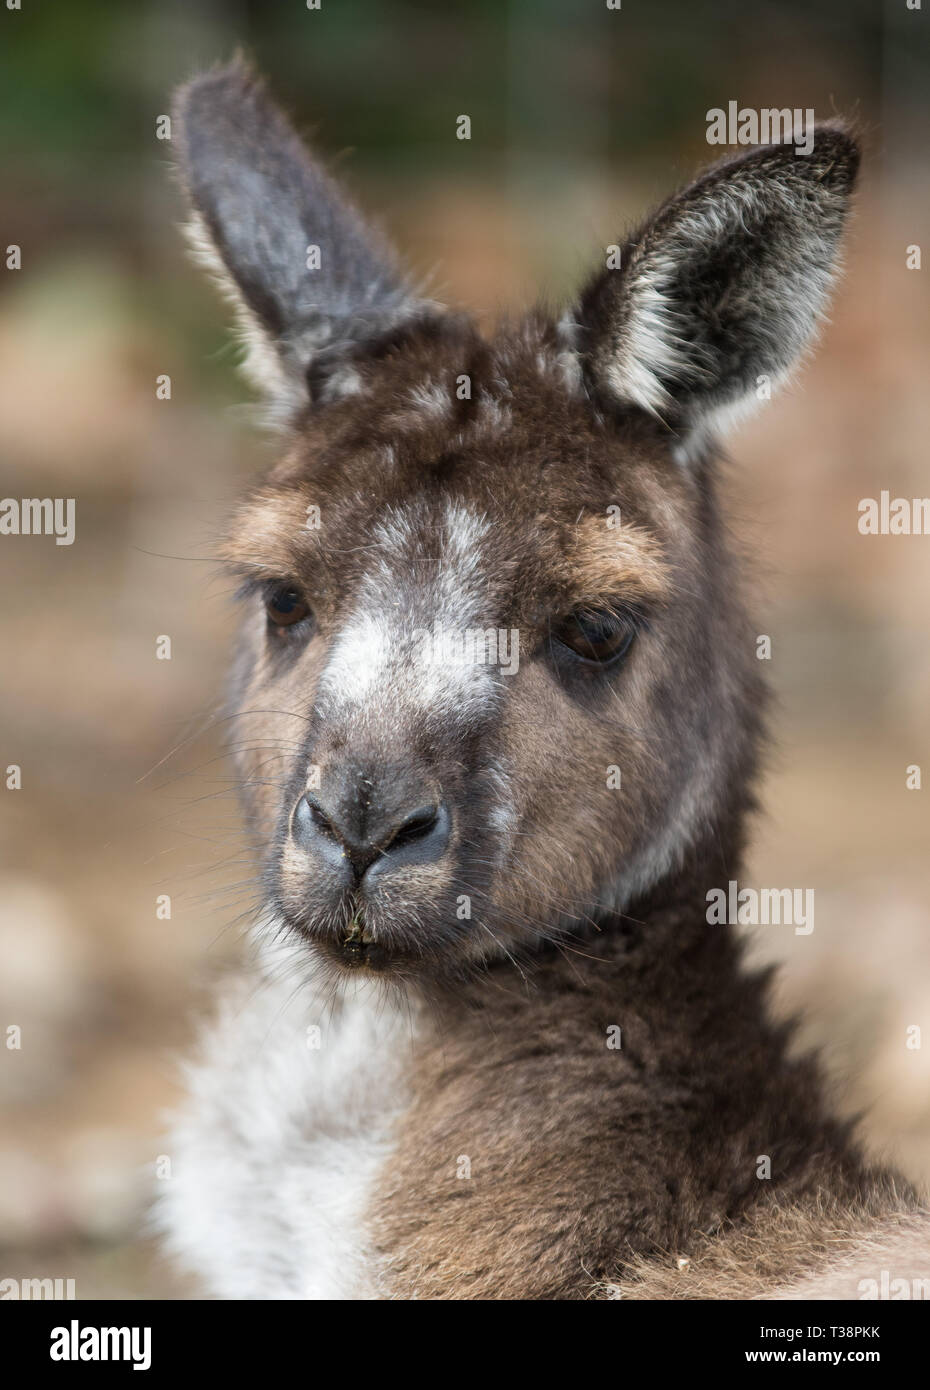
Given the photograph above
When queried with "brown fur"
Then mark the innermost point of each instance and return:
(593, 1169)
(638, 1157)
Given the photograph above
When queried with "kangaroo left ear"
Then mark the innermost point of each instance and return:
(724, 285)
(312, 282)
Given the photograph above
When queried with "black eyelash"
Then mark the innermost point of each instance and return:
(623, 613)
(260, 586)
(621, 610)
(629, 610)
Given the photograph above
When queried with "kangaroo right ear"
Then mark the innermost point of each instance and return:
(721, 291)
(312, 283)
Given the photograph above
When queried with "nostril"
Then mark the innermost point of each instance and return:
(311, 822)
(421, 837)
(319, 818)
(418, 836)
(416, 826)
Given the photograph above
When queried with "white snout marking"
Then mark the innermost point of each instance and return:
(380, 660)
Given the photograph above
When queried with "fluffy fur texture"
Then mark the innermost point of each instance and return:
(261, 214)
(468, 1126)
(293, 1100)
(722, 290)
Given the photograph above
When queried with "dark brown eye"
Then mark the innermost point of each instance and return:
(286, 606)
(599, 638)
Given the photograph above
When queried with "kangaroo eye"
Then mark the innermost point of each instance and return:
(286, 606)
(598, 638)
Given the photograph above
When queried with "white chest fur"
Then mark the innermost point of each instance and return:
(288, 1123)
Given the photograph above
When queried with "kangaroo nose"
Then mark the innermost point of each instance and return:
(415, 836)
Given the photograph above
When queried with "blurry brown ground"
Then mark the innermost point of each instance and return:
(101, 988)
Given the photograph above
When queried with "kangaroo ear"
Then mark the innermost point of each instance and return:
(312, 283)
(719, 293)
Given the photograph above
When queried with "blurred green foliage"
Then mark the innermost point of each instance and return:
(552, 87)
(82, 82)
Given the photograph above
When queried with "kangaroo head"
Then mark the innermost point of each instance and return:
(494, 678)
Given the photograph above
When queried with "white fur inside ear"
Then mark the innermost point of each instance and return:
(284, 392)
(277, 367)
(725, 287)
(648, 351)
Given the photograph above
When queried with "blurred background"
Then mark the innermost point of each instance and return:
(581, 116)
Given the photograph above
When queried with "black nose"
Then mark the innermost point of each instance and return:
(415, 836)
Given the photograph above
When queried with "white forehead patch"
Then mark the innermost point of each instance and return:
(358, 661)
(425, 583)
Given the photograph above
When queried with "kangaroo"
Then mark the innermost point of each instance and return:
(499, 717)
